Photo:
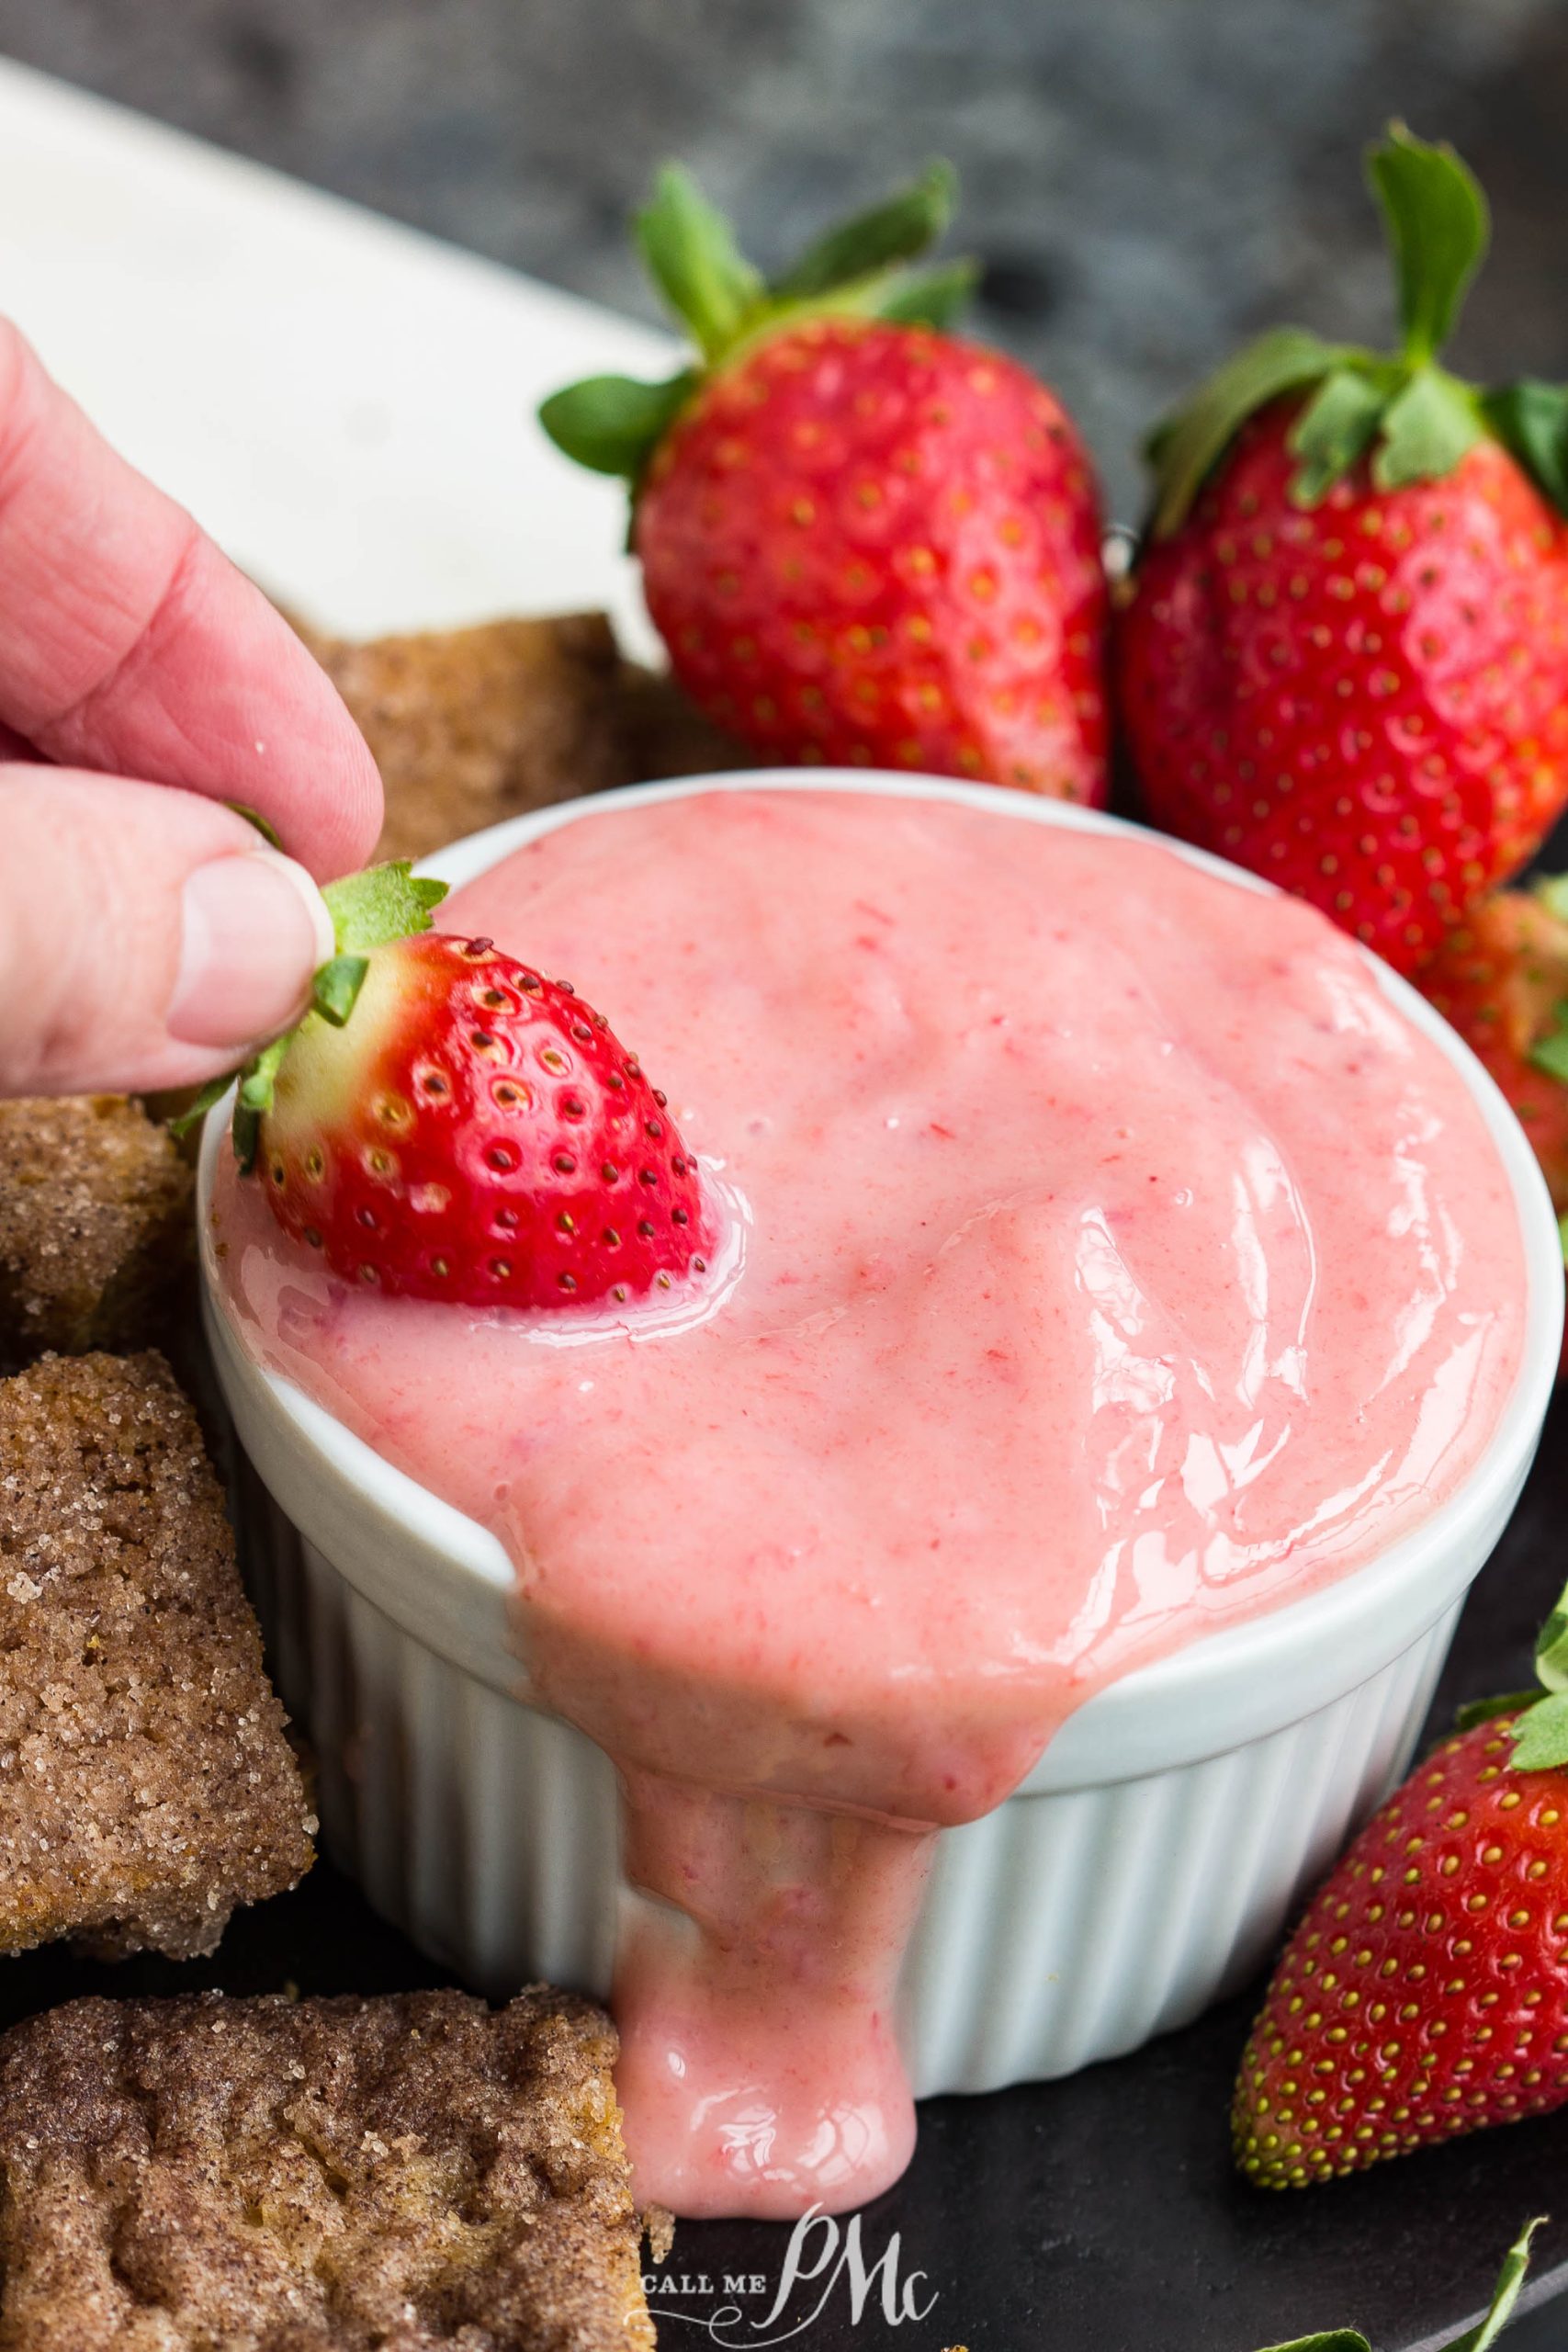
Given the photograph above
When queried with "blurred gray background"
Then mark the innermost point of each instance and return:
(1145, 180)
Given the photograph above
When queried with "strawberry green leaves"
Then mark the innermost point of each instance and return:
(252, 1100)
(900, 230)
(1185, 449)
(1505, 2295)
(1334, 429)
(334, 990)
(380, 903)
(1479, 2339)
(861, 264)
(1438, 228)
(1424, 430)
(1417, 420)
(1487, 1711)
(1530, 418)
(612, 424)
(1402, 414)
(693, 259)
(928, 298)
(1540, 1725)
(1552, 1649)
(1540, 1736)
(1551, 1053)
(201, 1102)
(1333, 2339)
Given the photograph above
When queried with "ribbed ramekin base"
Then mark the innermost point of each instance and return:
(1063, 1928)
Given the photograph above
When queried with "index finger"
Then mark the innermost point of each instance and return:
(129, 644)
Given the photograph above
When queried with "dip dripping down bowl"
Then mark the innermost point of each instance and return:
(1141, 1869)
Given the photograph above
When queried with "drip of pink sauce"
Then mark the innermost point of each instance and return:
(1115, 1264)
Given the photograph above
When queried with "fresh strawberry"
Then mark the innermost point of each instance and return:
(1425, 1992)
(1342, 659)
(862, 540)
(448, 1122)
(1501, 980)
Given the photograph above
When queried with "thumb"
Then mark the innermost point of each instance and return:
(148, 937)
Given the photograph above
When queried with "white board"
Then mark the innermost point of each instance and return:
(346, 405)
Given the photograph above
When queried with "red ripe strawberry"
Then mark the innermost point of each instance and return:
(863, 541)
(1425, 1992)
(1501, 980)
(474, 1132)
(1343, 656)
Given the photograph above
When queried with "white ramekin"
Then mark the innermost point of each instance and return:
(1143, 1868)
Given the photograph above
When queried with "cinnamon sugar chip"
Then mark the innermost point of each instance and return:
(468, 726)
(146, 1785)
(472, 725)
(322, 2176)
(94, 1222)
(659, 2229)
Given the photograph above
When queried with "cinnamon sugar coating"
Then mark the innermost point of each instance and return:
(146, 1783)
(404, 2172)
(94, 1222)
(472, 725)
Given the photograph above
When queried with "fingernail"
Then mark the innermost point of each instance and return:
(254, 927)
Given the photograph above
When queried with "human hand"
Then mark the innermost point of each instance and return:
(148, 937)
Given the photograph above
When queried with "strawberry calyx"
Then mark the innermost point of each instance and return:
(1538, 1728)
(1406, 416)
(379, 903)
(1479, 2339)
(861, 267)
(1548, 1051)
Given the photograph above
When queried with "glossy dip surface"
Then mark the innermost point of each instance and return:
(1108, 1260)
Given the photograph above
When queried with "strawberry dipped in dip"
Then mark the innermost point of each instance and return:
(1081, 1253)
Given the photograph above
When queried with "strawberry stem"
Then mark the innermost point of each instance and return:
(1480, 2339)
(612, 424)
(1505, 2295)
(1331, 2339)
(367, 908)
(1408, 417)
(691, 255)
(1438, 229)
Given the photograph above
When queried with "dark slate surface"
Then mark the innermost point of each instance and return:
(1148, 179)
(1099, 2214)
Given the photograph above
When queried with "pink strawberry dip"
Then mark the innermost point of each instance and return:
(1108, 1260)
